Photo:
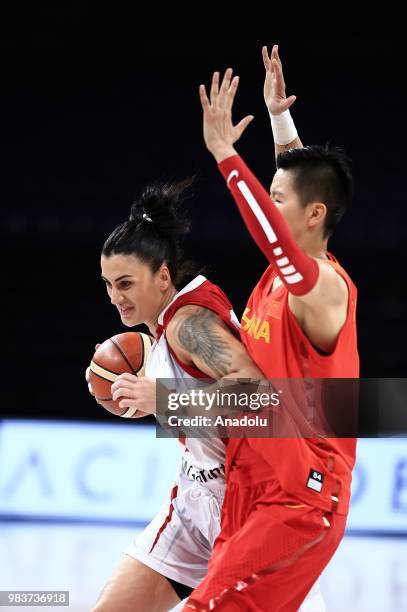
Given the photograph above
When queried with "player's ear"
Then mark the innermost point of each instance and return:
(164, 277)
(317, 213)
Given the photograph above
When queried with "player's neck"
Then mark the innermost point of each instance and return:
(167, 299)
(314, 247)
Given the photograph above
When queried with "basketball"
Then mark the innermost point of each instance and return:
(122, 353)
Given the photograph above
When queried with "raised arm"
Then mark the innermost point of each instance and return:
(318, 294)
(297, 270)
(284, 131)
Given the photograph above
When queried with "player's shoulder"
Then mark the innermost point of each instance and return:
(190, 313)
(211, 293)
(333, 270)
(332, 284)
(190, 323)
(187, 310)
(330, 270)
(206, 295)
(191, 319)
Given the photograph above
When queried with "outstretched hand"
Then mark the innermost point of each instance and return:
(274, 84)
(219, 132)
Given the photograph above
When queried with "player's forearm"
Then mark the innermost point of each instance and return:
(297, 270)
(225, 397)
(294, 144)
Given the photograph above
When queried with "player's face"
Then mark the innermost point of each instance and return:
(133, 288)
(287, 201)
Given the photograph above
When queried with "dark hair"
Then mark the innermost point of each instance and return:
(321, 174)
(154, 230)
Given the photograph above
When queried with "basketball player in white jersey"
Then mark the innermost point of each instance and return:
(197, 335)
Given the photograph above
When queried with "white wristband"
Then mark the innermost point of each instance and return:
(284, 130)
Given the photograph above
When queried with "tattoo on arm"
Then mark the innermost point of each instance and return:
(197, 334)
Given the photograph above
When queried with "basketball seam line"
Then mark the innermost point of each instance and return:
(106, 369)
(124, 356)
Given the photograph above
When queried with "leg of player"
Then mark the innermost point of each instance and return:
(134, 587)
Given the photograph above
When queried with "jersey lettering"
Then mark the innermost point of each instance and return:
(256, 327)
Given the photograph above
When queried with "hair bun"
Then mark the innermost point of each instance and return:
(159, 204)
(153, 230)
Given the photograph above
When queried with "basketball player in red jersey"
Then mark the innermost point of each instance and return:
(287, 499)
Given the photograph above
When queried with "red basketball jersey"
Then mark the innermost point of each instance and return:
(279, 347)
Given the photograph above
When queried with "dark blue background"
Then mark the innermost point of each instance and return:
(99, 99)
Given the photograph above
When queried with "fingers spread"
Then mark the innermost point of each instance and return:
(278, 74)
(224, 93)
(230, 96)
(242, 125)
(266, 59)
(226, 80)
(275, 55)
(233, 87)
(214, 87)
(203, 97)
(290, 101)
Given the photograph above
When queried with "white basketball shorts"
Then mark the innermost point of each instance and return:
(178, 541)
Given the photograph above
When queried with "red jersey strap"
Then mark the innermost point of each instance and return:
(335, 263)
(297, 270)
(209, 296)
(158, 332)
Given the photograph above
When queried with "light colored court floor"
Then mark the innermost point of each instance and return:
(368, 574)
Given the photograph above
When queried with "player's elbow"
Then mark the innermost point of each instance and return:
(248, 369)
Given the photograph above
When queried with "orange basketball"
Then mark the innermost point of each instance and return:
(126, 352)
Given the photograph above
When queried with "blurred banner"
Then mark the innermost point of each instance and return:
(55, 470)
(71, 470)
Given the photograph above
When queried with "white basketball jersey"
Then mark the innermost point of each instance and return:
(204, 458)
